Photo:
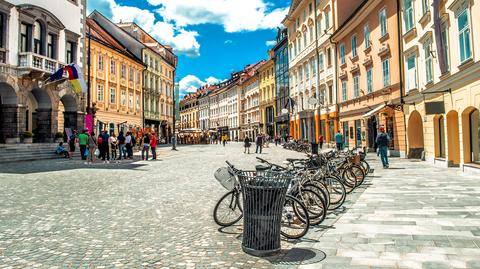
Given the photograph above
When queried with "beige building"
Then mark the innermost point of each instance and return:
(250, 101)
(442, 85)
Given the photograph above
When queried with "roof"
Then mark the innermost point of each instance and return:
(132, 45)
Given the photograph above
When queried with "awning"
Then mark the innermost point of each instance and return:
(373, 111)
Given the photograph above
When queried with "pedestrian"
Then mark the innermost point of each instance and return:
(72, 141)
(113, 141)
(104, 146)
(339, 140)
(383, 139)
(246, 144)
(92, 147)
(129, 145)
(153, 146)
(224, 140)
(259, 143)
(320, 141)
(61, 150)
(146, 146)
(121, 146)
(82, 142)
(276, 140)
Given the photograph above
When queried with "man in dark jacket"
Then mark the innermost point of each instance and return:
(259, 142)
(104, 147)
(383, 139)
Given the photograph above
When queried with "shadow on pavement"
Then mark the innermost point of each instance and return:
(297, 256)
(42, 166)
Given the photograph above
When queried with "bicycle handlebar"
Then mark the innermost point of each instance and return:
(229, 164)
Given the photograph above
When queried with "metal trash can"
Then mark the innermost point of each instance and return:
(264, 194)
(315, 148)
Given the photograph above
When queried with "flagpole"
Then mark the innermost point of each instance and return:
(88, 64)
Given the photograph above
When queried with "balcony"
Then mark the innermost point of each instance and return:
(354, 68)
(384, 50)
(342, 74)
(33, 61)
(367, 60)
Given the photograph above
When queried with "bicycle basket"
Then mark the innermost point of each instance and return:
(355, 159)
(226, 178)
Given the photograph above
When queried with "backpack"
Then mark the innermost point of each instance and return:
(99, 140)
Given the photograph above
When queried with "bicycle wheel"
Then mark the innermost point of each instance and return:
(337, 192)
(295, 220)
(228, 209)
(359, 173)
(315, 205)
(319, 188)
(365, 166)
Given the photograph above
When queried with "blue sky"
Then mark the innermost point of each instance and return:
(211, 37)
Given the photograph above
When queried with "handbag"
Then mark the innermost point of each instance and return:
(86, 152)
(97, 152)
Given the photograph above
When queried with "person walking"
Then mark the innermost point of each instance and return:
(129, 145)
(383, 139)
(224, 140)
(259, 143)
(339, 140)
(92, 147)
(103, 144)
(72, 141)
(246, 145)
(146, 146)
(113, 141)
(121, 146)
(320, 141)
(82, 142)
(153, 146)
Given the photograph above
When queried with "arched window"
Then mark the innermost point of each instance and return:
(474, 122)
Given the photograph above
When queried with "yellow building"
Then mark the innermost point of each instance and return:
(267, 96)
(116, 82)
(442, 85)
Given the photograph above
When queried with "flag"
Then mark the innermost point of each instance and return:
(290, 103)
(57, 75)
(75, 77)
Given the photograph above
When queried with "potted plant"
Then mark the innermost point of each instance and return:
(59, 137)
(27, 137)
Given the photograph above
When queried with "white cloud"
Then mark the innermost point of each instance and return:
(270, 43)
(191, 83)
(228, 41)
(182, 41)
(233, 15)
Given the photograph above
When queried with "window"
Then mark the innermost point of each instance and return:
(408, 14)
(123, 71)
(51, 46)
(100, 62)
(130, 74)
(320, 58)
(37, 38)
(112, 67)
(319, 27)
(313, 67)
(354, 46)
(366, 36)
(369, 80)
(327, 20)
(25, 31)
(428, 62)
(311, 34)
(425, 6)
(383, 21)
(123, 98)
(329, 57)
(444, 34)
(474, 122)
(112, 96)
(411, 73)
(344, 90)
(3, 28)
(71, 56)
(310, 8)
(464, 36)
(100, 93)
(356, 87)
(342, 53)
(305, 42)
(330, 94)
(386, 72)
(130, 99)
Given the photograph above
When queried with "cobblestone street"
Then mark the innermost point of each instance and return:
(64, 214)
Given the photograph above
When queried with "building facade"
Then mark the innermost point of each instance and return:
(282, 95)
(36, 39)
(368, 44)
(250, 101)
(442, 88)
(116, 82)
(158, 80)
(267, 96)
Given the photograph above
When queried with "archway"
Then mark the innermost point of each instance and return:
(471, 135)
(41, 115)
(9, 127)
(453, 136)
(439, 134)
(67, 113)
(415, 136)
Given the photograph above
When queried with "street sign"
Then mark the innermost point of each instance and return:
(284, 111)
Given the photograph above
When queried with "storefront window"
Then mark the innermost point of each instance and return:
(331, 129)
(358, 134)
(345, 132)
